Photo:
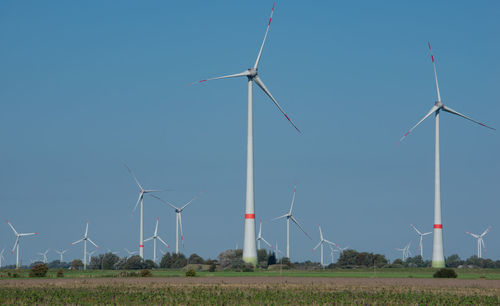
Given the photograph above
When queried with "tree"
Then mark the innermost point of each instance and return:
(415, 262)
(95, 262)
(271, 260)
(120, 263)
(109, 260)
(133, 263)
(166, 261)
(195, 259)
(149, 264)
(76, 264)
(453, 261)
(180, 261)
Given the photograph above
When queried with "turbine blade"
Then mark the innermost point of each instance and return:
(260, 229)
(486, 231)
(293, 199)
(433, 110)
(244, 73)
(416, 230)
(186, 205)
(331, 243)
(435, 72)
(484, 246)
(161, 240)
(264, 40)
(320, 232)
(280, 217)
(319, 243)
(132, 174)
(27, 234)
(426, 233)
(449, 110)
(166, 202)
(156, 229)
(12, 227)
(15, 244)
(265, 241)
(149, 238)
(141, 194)
(296, 222)
(78, 241)
(87, 229)
(93, 243)
(264, 88)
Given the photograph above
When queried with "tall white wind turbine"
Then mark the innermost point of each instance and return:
(249, 248)
(480, 241)
(84, 239)
(289, 216)
(421, 236)
(44, 255)
(154, 237)
(437, 251)
(61, 253)
(260, 238)
(140, 200)
(178, 219)
(321, 242)
(16, 244)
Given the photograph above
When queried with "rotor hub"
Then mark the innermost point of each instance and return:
(439, 104)
(252, 72)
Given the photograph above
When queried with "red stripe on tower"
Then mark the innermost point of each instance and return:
(141, 245)
(249, 216)
(438, 226)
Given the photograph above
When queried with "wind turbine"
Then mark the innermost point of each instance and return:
(142, 191)
(437, 250)
(480, 241)
(44, 255)
(154, 237)
(16, 244)
(90, 254)
(289, 217)
(61, 253)
(321, 242)
(405, 251)
(2, 258)
(421, 245)
(332, 251)
(342, 249)
(278, 252)
(130, 253)
(249, 250)
(259, 237)
(178, 219)
(84, 239)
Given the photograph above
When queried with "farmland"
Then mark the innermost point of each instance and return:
(404, 286)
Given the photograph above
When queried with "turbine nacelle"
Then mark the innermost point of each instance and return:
(251, 73)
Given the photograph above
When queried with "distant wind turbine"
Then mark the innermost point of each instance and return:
(154, 237)
(321, 242)
(289, 216)
(16, 244)
(249, 249)
(140, 200)
(260, 238)
(420, 244)
(61, 253)
(437, 249)
(480, 241)
(44, 255)
(405, 251)
(130, 253)
(84, 239)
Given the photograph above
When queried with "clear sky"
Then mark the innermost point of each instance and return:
(86, 85)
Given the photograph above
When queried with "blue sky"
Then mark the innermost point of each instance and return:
(86, 85)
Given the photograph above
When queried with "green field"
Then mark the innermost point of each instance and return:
(360, 273)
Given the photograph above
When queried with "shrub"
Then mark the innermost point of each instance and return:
(127, 274)
(39, 270)
(190, 273)
(212, 268)
(146, 273)
(60, 273)
(445, 273)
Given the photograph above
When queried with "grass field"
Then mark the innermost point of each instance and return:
(361, 273)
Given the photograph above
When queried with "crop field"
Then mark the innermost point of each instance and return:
(249, 290)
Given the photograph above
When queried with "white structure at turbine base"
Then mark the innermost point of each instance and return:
(289, 216)
(480, 241)
(437, 251)
(16, 244)
(249, 245)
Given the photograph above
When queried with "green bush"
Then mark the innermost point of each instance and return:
(60, 273)
(190, 273)
(127, 274)
(146, 273)
(39, 270)
(445, 273)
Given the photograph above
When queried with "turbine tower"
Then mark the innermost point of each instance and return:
(249, 249)
(321, 242)
(84, 239)
(44, 255)
(142, 192)
(437, 250)
(61, 253)
(16, 244)
(2, 258)
(260, 238)
(178, 219)
(480, 241)
(154, 237)
(420, 245)
(289, 217)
